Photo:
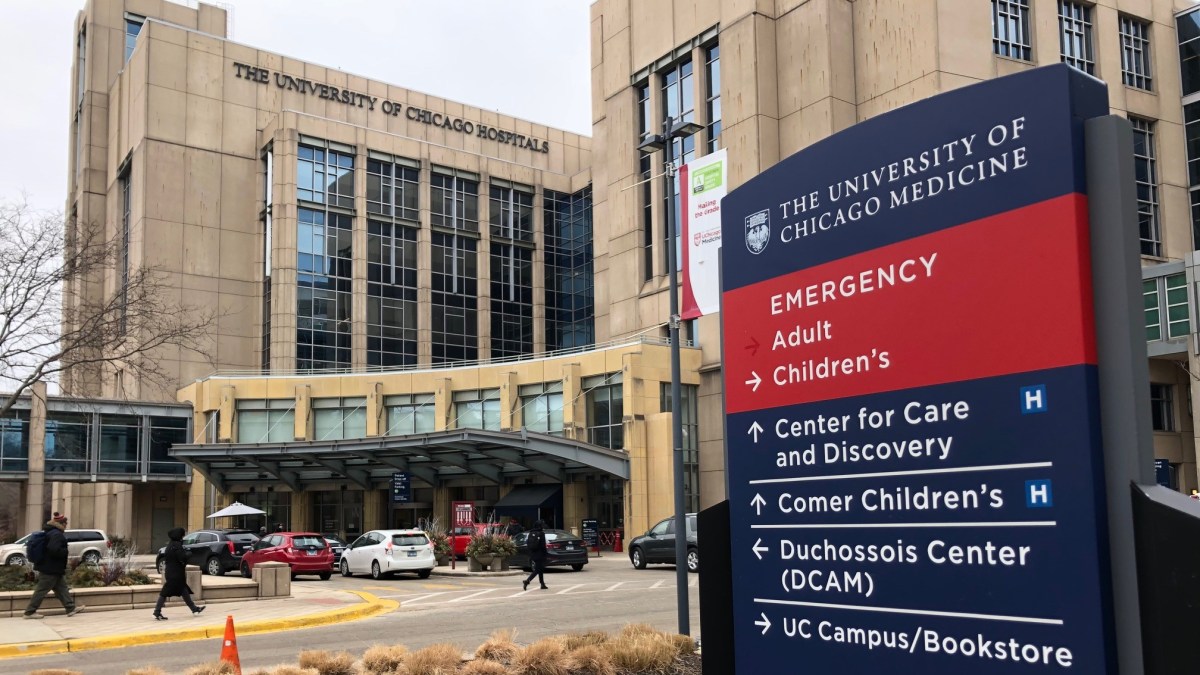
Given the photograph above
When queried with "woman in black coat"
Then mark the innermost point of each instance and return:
(174, 575)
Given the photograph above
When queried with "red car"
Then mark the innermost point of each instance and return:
(304, 552)
(461, 536)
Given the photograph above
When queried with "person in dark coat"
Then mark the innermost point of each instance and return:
(514, 528)
(175, 575)
(536, 541)
(52, 571)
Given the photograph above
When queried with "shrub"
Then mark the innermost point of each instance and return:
(287, 669)
(213, 668)
(384, 659)
(502, 545)
(572, 641)
(684, 644)
(327, 663)
(17, 578)
(592, 660)
(544, 657)
(482, 667)
(122, 547)
(638, 650)
(499, 647)
(438, 659)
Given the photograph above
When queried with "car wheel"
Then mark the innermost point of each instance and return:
(693, 560)
(376, 573)
(91, 558)
(345, 568)
(424, 574)
(246, 570)
(15, 559)
(325, 576)
(635, 557)
(161, 566)
(578, 567)
(213, 567)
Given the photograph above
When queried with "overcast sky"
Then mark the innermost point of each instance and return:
(527, 58)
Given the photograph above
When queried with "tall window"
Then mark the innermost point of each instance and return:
(120, 443)
(712, 79)
(678, 103)
(323, 281)
(605, 410)
(1146, 176)
(133, 26)
(268, 166)
(123, 181)
(454, 200)
(164, 433)
(477, 409)
(68, 441)
(391, 294)
(645, 120)
(646, 175)
(542, 407)
(1010, 29)
(14, 441)
(1166, 307)
(409, 414)
(325, 176)
(392, 188)
(1135, 53)
(690, 421)
(1162, 407)
(1188, 28)
(338, 418)
(570, 294)
(454, 302)
(266, 421)
(80, 78)
(1075, 35)
(512, 269)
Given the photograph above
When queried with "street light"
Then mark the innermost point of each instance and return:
(672, 129)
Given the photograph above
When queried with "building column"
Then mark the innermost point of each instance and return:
(574, 403)
(35, 485)
(301, 513)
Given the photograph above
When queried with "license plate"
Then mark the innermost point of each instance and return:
(570, 548)
(412, 554)
(312, 552)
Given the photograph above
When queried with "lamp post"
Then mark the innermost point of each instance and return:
(672, 129)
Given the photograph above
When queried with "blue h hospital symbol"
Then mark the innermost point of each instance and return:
(1033, 399)
(1038, 494)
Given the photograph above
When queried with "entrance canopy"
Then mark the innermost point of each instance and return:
(527, 496)
(496, 456)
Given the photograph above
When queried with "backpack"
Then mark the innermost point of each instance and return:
(35, 548)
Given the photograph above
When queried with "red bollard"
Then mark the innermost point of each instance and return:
(617, 542)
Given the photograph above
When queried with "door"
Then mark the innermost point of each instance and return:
(660, 545)
(200, 550)
(161, 522)
(353, 555)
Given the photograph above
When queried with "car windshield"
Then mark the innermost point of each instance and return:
(409, 540)
(307, 541)
(334, 541)
(552, 535)
(24, 539)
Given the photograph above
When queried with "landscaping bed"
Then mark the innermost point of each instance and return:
(109, 572)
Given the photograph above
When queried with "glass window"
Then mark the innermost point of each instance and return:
(453, 300)
(690, 421)
(266, 421)
(392, 189)
(684, 152)
(120, 440)
(477, 409)
(712, 77)
(338, 418)
(133, 26)
(512, 300)
(646, 175)
(1188, 29)
(409, 540)
(454, 202)
(164, 433)
(409, 414)
(678, 94)
(68, 439)
(511, 212)
(542, 407)
(1135, 53)
(606, 410)
(1162, 407)
(14, 441)
(1010, 29)
(570, 294)
(643, 103)
(1177, 306)
(323, 323)
(325, 176)
(391, 294)
(1146, 176)
(1153, 317)
(663, 527)
(1075, 35)
(125, 187)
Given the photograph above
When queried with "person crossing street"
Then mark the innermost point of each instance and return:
(536, 541)
(51, 565)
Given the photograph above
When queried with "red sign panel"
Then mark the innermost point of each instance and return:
(464, 514)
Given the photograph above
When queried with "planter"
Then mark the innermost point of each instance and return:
(442, 559)
(479, 562)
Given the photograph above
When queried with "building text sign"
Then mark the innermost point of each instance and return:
(394, 108)
(910, 382)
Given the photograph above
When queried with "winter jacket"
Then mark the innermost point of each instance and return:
(175, 559)
(536, 541)
(55, 560)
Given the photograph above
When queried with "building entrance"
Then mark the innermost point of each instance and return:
(339, 512)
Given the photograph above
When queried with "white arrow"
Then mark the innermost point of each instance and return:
(756, 430)
(765, 623)
(755, 381)
(758, 502)
(758, 549)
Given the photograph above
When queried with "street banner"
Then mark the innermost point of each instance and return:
(704, 183)
(912, 411)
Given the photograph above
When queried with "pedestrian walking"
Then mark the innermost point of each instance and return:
(536, 541)
(514, 528)
(49, 558)
(175, 575)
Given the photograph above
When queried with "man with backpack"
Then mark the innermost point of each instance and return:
(47, 550)
(536, 541)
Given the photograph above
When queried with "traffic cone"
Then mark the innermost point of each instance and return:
(229, 653)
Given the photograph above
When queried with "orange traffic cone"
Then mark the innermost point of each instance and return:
(229, 653)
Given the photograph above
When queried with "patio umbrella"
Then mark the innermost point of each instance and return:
(237, 509)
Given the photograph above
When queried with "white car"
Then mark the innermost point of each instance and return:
(91, 545)
(382, 553)
(14, 553)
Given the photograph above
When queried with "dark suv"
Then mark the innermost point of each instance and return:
(658, 545)
(215, 552)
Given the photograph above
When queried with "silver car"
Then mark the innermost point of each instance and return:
(382, 553)
(14, 553)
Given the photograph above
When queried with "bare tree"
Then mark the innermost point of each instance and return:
(71, 297)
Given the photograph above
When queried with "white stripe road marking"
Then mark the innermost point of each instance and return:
(568, 589)
(614, 586)
(657, 584)
(472, 595)
(413, 598)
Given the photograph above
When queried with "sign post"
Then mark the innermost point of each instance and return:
(912, 411)
(590, 530)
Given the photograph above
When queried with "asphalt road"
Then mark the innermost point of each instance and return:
(606, 595)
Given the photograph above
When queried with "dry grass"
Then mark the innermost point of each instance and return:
(482, 667)
(213, 668)
(684, 644)
(499, 647)
(574, 641)
(636, 629)
(384, 659)
(643, 652)
(592, 660)
(147, 670)
(286, 669)
(327, 663)
(439, 659)
(544, 657)
(54, 671)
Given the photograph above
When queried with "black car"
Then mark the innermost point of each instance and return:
(658, 545)
(215, 552)
(336, 544)
(562, 548)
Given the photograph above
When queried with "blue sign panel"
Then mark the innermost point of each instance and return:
(915, 473)
(401, 490)
(1162, 472)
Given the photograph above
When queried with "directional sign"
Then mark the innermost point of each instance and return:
(464, 514)
(910, 386)
(401, 488)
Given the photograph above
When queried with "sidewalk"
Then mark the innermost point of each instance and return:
(310, 605)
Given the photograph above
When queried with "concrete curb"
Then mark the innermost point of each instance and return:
(371, 606)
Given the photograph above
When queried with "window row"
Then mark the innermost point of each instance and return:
(1012, 37)
(1166, 307)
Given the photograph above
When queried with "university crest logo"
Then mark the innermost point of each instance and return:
(758, 231)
